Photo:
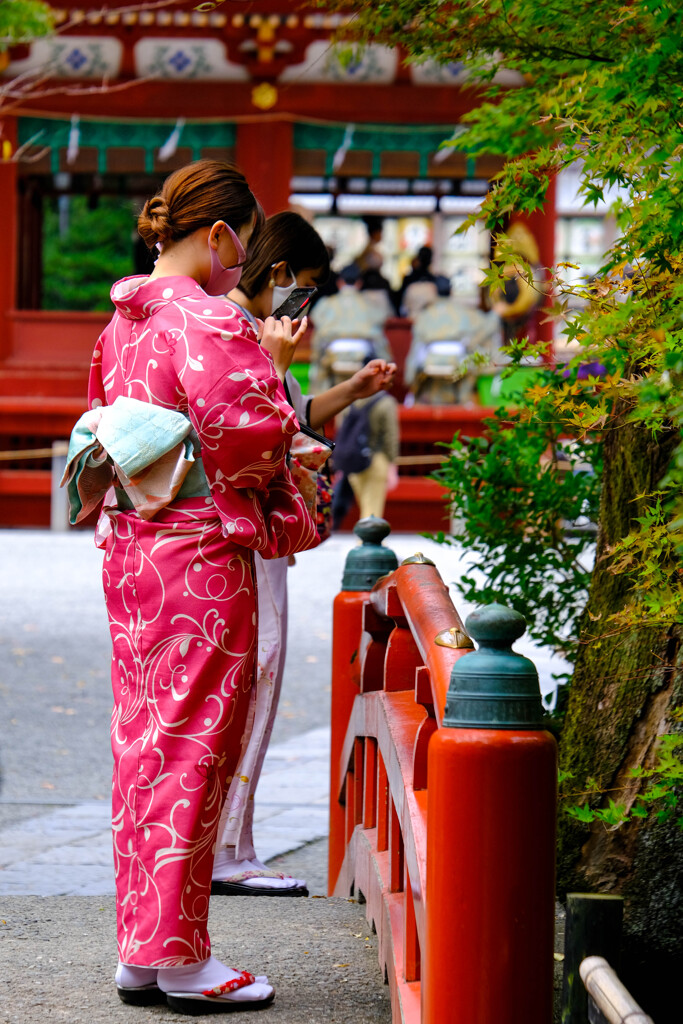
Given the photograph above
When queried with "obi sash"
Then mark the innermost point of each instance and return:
(151, 455)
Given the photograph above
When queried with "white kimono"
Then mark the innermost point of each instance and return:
(236, 823)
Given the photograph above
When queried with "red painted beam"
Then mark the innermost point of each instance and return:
(360, 104)
(25, 484)
(46, 417)
(430, 423)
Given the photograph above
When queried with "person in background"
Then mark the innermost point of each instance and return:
(350, 315)
(178, 573)
(371, 258)
(376, 289)
(370, 486)
(445, 333)
(410, 298)
(328, 287)
(289, 253)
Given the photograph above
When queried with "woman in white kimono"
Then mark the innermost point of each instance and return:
(289, 253)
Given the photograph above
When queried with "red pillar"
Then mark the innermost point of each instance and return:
(490, 877)
(541, 224)
(8, 231)
(266, 158)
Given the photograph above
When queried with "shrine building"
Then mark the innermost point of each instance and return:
(96, 115)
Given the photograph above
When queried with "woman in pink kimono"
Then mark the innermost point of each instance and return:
(178, 568)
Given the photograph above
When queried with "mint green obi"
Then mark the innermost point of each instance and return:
(148, 454)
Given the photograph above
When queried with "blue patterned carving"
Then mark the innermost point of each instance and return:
(76, 59)
(179, 61)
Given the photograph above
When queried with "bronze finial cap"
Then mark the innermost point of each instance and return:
(493, 687)
(367, 563)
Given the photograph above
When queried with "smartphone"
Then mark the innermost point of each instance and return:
(296, 304)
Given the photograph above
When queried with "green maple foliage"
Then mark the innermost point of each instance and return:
(598, 86)
(24, 20)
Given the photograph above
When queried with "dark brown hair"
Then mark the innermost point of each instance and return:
(289, 237)
(197, 195)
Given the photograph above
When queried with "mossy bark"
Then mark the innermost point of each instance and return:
(623, 691)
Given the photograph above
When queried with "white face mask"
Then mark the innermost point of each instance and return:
(280, 294)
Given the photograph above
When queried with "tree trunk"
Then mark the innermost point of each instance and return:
(625, 687)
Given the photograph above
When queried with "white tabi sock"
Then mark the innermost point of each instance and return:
(225, 867)
(135, 977)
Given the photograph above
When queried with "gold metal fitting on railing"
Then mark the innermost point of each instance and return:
(454, 638)
(417, 559)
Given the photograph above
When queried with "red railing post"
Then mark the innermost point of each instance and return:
(490, 894)
(370, 784)
(364, 566)
(382, 806)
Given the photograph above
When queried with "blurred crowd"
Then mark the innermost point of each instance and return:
(454, 346)
(453, 343)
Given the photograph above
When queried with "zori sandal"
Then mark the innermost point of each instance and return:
(236, 885)
(141, 995)
(220, 999)
(138, 986)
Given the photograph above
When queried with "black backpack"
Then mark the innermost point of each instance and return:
(352, 452)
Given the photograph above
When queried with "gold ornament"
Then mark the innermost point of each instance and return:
(454, 638)
(264, 96)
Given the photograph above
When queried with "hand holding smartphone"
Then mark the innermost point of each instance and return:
(281, 339)
(296, 304)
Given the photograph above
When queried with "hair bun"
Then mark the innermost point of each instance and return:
(154, 223)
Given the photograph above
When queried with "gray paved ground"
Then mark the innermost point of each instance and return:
(320, 955)
(67, 850)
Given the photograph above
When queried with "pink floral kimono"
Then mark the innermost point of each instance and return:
(181, 600)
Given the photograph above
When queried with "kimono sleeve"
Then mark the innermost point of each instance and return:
(96, 393)
(245, 426)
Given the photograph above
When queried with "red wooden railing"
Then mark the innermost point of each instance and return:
(379, 763)
(399, 845)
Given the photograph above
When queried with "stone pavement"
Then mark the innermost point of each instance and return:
(58, 954)
(57, 949)
(68, 852)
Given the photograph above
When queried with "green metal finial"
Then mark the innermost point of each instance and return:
(494, 688)
(367, 563)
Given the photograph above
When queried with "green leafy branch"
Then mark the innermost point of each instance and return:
(24, 20)
(516, 492)
(660, 794)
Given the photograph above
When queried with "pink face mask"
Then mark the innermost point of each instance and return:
(224, 279)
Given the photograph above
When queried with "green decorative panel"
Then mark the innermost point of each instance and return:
(103, 135)
(377, 138)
